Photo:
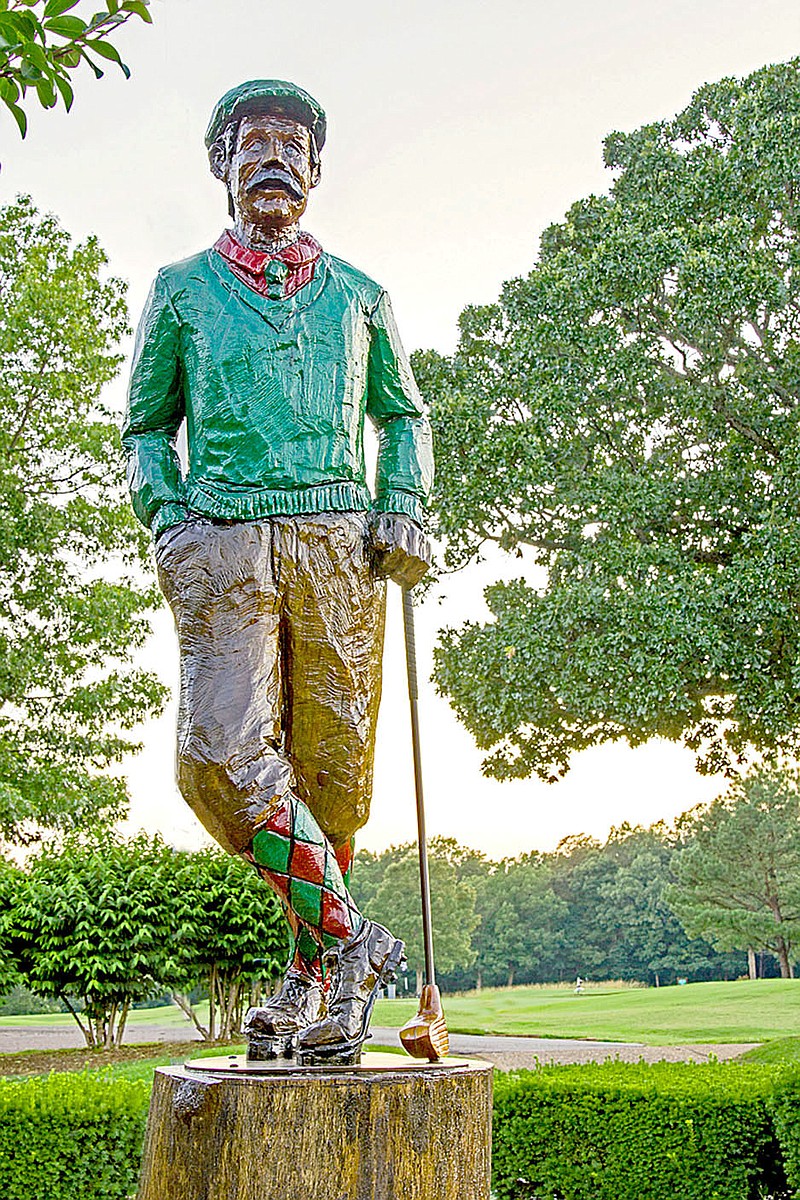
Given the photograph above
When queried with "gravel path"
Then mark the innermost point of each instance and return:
(49, 1037)
(514, 1053)
(507, 1053)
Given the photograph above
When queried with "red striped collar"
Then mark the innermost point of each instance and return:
(273, 275)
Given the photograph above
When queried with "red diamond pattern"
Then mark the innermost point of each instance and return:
(337, 918)
(279, 882)
(308, 862)
(297, 860)
(344, 857)
(281, 819)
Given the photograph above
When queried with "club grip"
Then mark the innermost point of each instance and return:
(411, 645)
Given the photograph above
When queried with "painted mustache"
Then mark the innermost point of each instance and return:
(276, 177)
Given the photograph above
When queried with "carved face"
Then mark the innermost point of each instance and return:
(270, 171)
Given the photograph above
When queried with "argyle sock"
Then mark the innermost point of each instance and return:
(305, 954)
(344, 857)
(292, 853)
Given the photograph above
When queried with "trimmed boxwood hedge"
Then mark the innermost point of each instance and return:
(71, 1137)
(786, 1115)
(616, 1131)
(637, 1131)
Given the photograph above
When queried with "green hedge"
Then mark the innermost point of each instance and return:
(786, 1115)
(71, 1137)
(615, 1131)
(625, 1131)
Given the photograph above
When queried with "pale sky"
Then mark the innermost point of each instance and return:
(457, 133)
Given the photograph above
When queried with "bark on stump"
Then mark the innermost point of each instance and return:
(420, 1132)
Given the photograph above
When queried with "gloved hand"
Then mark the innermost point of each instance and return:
(400, 549)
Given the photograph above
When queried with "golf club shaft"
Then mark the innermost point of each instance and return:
(425, 887)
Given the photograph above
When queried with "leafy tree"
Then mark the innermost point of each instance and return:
(396, 904)
(594, 909)
(108, 922)
(738, 871)
(369, 871)
(9, 882)
(618, 923)
(73, 606)
(22, 1002)
(230, 934)
(626, 417)
(643, 938)
(470, 864)
(521, 920)
(43, 41)
(94, 922)
(577, 868)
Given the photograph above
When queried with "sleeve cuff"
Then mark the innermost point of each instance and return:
(168, 514)
(401, 502)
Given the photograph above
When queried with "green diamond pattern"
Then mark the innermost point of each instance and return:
(333, 877)
(272, 850)
(306, 900)
(304, 827)
(306, 946)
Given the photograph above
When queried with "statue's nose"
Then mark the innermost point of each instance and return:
(273, 151)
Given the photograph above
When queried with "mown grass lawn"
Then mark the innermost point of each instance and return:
(782, 1050)
(166, 1015)
(745, 1011)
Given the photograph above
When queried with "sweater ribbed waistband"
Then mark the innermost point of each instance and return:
(214, 500)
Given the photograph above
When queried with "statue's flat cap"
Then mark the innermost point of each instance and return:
(273, 96)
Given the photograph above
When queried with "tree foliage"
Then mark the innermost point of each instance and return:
(642, 934)
(72, 605)
(9, 972)
(43, 41)
(521, 919)
(230, 935)
(369, 872)
(397, 905)
(626, 417)
(738, 873)
(618, 923)
(104, 922)
(594, 909)
(94, 922)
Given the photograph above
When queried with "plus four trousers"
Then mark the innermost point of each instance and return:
(280, 625)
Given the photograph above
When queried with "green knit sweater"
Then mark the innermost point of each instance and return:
(275, 395)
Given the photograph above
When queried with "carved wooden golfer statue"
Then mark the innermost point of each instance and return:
(272, 551)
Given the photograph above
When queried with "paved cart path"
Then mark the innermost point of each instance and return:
(507, 1053)
(513, 1053)
(13, 1039)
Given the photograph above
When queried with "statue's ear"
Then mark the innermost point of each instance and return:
(218, 159)
(316, 173)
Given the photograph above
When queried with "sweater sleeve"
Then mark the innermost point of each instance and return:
(394, 404)
(154, 415)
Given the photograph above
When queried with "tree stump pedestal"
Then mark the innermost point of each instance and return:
(390, 1128)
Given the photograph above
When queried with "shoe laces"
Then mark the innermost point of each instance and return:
(295, 988)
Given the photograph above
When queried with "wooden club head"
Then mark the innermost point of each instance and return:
(425, 1035)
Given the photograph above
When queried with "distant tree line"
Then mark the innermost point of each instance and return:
(102, 923)
(714, 897)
